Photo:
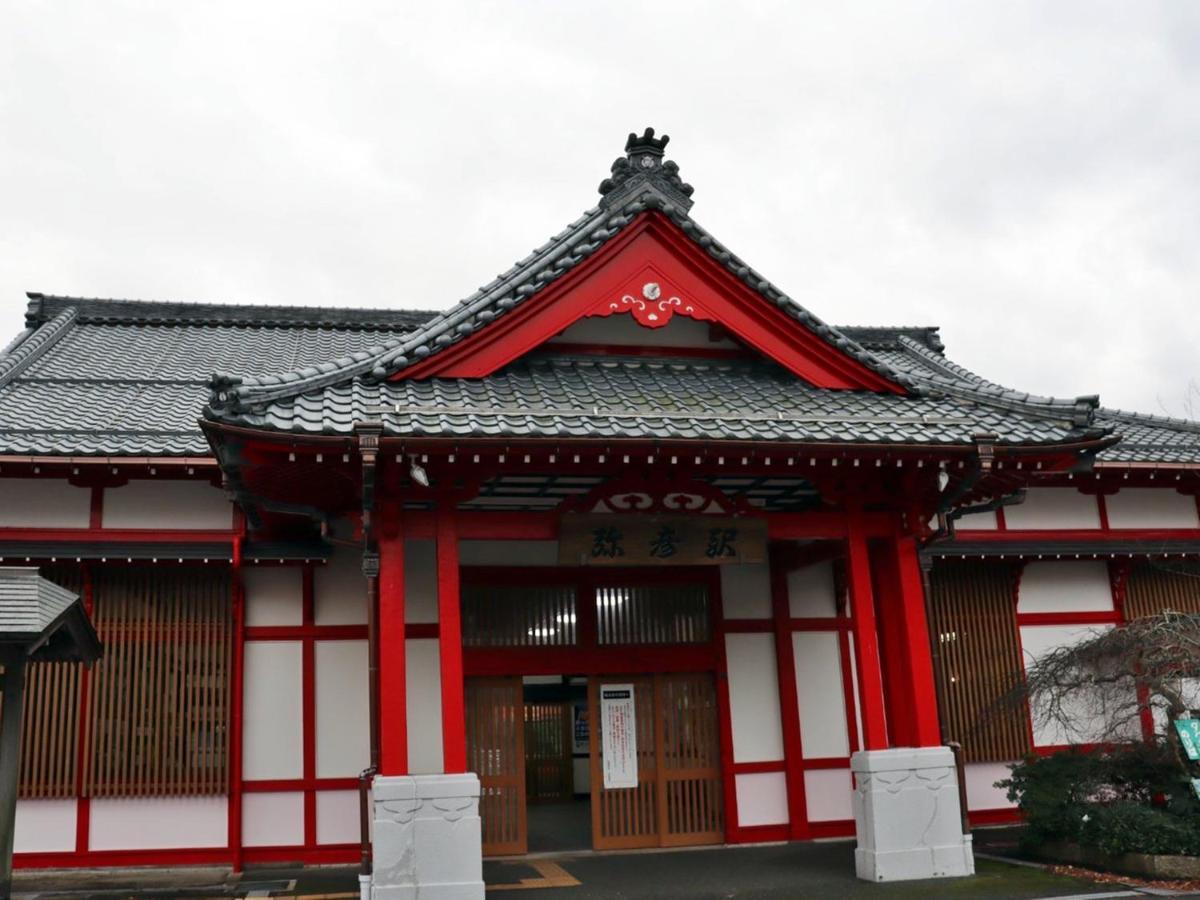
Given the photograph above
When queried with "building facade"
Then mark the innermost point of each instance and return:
(630, 470)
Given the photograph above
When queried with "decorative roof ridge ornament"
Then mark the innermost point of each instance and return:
(643, 168)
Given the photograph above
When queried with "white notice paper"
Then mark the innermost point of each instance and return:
(618, 732)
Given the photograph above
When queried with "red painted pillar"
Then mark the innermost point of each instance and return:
(893, 649)
(789, 705)
(921, 690)
(866, 640)
(393, 696)
(454, 726)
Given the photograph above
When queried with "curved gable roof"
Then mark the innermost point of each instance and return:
(632, 190)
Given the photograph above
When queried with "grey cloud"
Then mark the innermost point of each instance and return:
(1025, 175)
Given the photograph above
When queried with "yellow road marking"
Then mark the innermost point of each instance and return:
(552, 875)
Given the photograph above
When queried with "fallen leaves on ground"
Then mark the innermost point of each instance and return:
(1111, 878)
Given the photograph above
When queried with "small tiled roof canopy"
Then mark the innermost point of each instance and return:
(127, 378)
(45, 622)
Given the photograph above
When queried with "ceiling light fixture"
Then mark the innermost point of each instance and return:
(418, 474)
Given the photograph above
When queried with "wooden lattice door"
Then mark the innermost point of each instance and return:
(623, 818)
(549, 770)
(496, 753)
(689, 761)
(679, 798)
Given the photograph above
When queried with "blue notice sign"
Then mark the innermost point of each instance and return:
(1189, 736)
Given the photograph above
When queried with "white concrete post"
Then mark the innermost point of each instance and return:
(426, 840)
(906, 815)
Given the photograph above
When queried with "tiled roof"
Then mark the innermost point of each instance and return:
(28, 602)
(44, 620)
(89, 382)
(101, 311)
(650, 398)
(1144, 438)
(641, 183)
(122, 377)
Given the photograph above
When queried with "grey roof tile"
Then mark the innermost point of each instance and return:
(121, 377)
(658, 189)
(647, 398)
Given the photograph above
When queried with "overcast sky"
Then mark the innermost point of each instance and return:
(1026, 176)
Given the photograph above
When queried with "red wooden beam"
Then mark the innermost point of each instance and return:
(866, 640)
(308, 705)
(306, 633)
(827, 525)
(1096, 536)
(393, 708)
(789, 704)
(1099, 617)
(120, 535)
(508, 526)
(914, 632)
(454, 723)
(589, 660)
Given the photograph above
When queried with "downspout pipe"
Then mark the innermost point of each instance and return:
(369, 433)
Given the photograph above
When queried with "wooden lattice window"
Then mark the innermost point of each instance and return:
(50, 730)
(1153, 588)
(976, 655)
(652, 614)
(159, 698)
(513, 615)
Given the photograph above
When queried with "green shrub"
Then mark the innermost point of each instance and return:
(1133, 799)
(1125, 827)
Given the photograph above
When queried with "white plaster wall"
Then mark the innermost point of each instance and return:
(423, 688)
(624, 329)
(1189, 690)
(340, 590)
(811, 592)
(43, 503)
(1151, 508)
(981, 791)
(158, 823)
(420, 582)
(1086, 712)
(337, 817)
(828, 794)
(1065, 586)
(761, 799)
(274, 595)
(746, 591)
(754, 697)
(343, 708)
(273, 820)
(1052, 507)
(44, 826)
(161, 503)
(507, 553)
(979, 521)
(272, 734)
(820, 693)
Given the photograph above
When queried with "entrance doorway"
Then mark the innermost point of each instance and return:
(534, 796)
(678, 800)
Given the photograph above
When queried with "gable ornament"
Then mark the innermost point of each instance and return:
(652, 310)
